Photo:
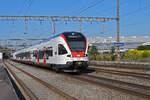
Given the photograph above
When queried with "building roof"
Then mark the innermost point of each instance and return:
(146, 43)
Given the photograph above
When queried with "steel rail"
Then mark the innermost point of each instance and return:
(56, 90)
(27, 91)
(125, 90)
(122, 89)
(120, 82)
(120, 66)
(123, 73)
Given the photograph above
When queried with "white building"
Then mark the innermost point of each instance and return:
(130, 43)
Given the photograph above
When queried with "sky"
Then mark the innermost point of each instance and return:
(134, 17)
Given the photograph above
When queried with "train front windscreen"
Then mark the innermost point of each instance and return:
(76, 41)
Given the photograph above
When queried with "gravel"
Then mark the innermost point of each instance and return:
(79, 89)
(129, 79)
(122, 69)
(42, 92)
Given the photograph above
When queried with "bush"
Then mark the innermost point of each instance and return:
(136, 55)
(144, 47)
(101, 57)
(131, 55)
(146, 54)
(93, 52)
(113, 57)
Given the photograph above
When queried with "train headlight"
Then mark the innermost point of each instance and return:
(69, 56)
(69, 63)
(79, 63)
(85, 55)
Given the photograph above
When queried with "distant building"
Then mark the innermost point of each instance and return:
(130, 43)
(146, 43)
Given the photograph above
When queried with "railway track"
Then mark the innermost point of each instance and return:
(28, 94)
(129, 88)
(122, 67)
(54, 89)
(123, 73)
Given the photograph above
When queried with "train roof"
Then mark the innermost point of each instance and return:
(64, 33)
(53, 37)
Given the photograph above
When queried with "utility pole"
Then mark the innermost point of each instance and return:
(54, 28)
(26, 27)
(103, 27)
(118, 31)
(80, 26)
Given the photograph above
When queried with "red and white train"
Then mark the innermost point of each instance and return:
(66, 51)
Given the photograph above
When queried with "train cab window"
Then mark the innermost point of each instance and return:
(61, 49)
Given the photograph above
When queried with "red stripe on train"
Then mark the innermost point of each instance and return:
(37, 57)
(65, 41)
(78, 54)
(44, 63)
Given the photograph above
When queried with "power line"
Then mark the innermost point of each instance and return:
(110, 8)
(22, 7)
(140, 8)
(136, 11)
(29, 6)
(91, 5)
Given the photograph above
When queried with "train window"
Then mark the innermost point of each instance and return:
(61, 49)
(35, 53)
(27, 54)
(49, 52)
(41, 54)
(77, 46)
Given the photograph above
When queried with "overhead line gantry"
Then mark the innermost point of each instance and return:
(55, 18)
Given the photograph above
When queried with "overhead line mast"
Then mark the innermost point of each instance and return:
(54, 19)
(118, 31)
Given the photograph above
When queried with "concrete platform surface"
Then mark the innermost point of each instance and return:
(7, 92)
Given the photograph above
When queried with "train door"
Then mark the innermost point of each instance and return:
(55, 53)
(62, 54)
(30, 56)
(49, 55)
(34, 56)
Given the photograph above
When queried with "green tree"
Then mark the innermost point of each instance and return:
(144, 47)
(93, 51)
(112, 50)
(112, 53)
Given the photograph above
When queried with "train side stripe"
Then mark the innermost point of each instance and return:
(44, 63)
(66, 42)
(38, 57)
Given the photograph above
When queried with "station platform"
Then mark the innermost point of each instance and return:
(7, 91)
